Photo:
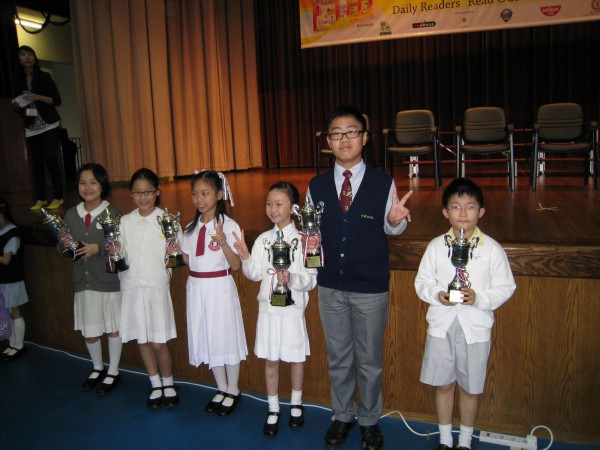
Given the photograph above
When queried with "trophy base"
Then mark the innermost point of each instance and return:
(313, 261)
(116, 266)
(455, 296)
(175, 261)
(282, 299)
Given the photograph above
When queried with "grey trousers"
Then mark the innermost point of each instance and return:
(353, 324)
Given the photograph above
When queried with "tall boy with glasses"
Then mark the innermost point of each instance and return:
(458, 335)
(361, 207)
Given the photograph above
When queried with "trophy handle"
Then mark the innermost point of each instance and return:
(294, 247)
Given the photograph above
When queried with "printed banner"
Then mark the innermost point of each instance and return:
(332, 22)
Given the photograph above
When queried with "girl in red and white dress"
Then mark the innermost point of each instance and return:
(214, 317)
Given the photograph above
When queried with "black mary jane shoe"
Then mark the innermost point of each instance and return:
(223, 410)
(271, 429)
(89, 382)
(444, 447)
(154, 403)
(18, 352)
(297, 421)
(212, 406)
(171, 401)
(104, 387)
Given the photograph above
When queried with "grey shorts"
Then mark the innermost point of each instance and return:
(452, 359)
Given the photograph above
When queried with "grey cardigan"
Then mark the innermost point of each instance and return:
(91, 274)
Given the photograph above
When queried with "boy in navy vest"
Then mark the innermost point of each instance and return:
(361, 206)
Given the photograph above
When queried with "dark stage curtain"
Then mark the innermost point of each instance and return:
(516, 69)
(8, 48)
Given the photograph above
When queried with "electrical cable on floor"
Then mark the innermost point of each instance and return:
(309, 405)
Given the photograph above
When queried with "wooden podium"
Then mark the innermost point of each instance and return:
(15, 175)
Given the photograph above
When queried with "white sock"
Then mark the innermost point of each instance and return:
(446, 435)
(95, 351)
(168, 385)
(12, 340)
(296, 400)
(233, 375)
(465, 436)
(19, 332)
(273, 407)
(155, 382)
(115, 345)
(221, 379)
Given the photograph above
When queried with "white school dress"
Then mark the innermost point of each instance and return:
(214, 317)
(281, 332)
(146, 309)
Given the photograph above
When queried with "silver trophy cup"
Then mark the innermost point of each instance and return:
(281, 255)
(59, 230)
(111, 226)
(459, 252)
(169, 225)
(310, 222)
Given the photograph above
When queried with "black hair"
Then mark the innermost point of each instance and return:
(99, 174)
(290, 190)
(20, 69)
(5, 210)
(214, 180)
(346, 111)
(462, 187)
(150, 177)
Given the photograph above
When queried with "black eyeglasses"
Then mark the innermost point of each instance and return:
(338, 136)
(138, 194)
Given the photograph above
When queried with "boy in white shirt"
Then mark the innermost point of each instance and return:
(458, 336)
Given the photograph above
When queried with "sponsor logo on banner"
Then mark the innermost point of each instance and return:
(424, 24)
(550, 10)
(506, 15)
(596, 5)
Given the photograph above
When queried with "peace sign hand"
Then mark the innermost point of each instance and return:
(399, 212)
(240, 246)
(220, 236)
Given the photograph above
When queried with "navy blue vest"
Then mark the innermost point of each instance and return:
(355, 245)
(14, 271)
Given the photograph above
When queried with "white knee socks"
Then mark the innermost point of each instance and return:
(18, 333)
(95, 351)
(115, 345)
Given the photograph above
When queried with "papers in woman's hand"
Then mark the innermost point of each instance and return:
(22, 101)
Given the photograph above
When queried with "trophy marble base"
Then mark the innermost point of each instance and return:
(313, 261)
(281, 299)
(175, 260)
(455, 296)
(116, 266)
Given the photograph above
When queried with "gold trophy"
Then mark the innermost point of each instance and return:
(169, 225)
(282, 255)
(310, 222)
(111, 226)
(460, 250)
(59, 229)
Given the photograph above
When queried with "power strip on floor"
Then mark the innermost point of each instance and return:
(514, 442)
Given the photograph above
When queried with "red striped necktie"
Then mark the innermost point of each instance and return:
(346, 193)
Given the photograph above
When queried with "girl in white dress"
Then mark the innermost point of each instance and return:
(147, 309)
(281, 330)
(214, 317)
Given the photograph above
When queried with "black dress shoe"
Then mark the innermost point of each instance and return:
(171, 401)
(462, 448)
(337, 433)
(223, 410)
(17, 352)
(271, 429)
(212, 406)
(89, 383)
(104, 387)
(154, 403)
(443, 447)
(371, 438)
(297, 422)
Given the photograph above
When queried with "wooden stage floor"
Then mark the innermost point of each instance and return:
(562, 212)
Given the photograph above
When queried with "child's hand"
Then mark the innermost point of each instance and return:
(240, 246)
(87, 250)
(399, 212)
(443, 298)
(312, 243)
(283, 276)
(65, 241)
(220, 236)
(172, 247)
(468, 296)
